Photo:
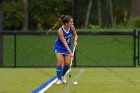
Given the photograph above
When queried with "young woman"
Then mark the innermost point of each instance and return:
(63, 46)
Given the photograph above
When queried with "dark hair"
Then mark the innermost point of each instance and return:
(64, 19)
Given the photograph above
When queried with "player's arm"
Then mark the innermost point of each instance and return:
(63, 40)
(75, 35)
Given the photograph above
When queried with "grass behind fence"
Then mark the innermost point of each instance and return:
(91, 51)
(31, 51)
(105, 51)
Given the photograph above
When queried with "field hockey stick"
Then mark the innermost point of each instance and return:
(71, 62)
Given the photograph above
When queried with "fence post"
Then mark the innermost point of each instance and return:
(1, 50)
(15, 51)
(135, 64)
(138, 48)
(1, 29)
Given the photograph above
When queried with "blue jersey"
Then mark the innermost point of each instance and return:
(59, 46)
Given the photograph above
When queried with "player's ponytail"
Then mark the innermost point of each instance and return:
(57, 23)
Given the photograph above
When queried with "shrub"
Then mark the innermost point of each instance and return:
(134, 22)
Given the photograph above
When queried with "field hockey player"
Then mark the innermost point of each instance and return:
(63, 46)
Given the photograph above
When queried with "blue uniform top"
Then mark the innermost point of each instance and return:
(59, 46)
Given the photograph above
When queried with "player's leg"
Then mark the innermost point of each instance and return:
(59, 69)
(66, 64)
(66, 67)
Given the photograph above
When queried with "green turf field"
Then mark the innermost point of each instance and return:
(90, 80)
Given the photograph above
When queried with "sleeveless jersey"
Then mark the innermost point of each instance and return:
(59, 46)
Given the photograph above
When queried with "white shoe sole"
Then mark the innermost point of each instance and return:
(59, 82)
(64, 80)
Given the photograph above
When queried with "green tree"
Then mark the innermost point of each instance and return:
(13, 14)
(25, 13)
(44, 13)
(88, 13)
(120, 8)
(135, 10)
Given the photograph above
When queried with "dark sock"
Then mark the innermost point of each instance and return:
(65, 69)
(59, 71)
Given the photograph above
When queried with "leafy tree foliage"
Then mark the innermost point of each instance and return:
(13, 14)
(44, 13)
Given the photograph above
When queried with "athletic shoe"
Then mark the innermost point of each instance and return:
(59, 82)
(64, 79)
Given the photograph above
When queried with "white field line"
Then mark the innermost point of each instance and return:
(69, 86)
